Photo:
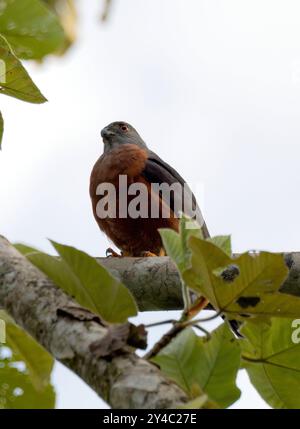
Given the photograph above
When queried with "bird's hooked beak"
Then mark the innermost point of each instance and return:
(106, 134)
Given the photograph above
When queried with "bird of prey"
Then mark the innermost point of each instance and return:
(127, 155)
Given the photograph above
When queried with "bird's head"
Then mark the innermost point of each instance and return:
(118, 133)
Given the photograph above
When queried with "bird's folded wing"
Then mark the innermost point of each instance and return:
(158, 171)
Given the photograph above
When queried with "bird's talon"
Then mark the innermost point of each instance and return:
(111, 253)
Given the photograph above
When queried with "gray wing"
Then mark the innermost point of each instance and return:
(158, 171)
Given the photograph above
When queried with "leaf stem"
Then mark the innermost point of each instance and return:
(186, 297)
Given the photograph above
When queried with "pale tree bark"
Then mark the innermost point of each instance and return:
(155, 282)
(94, 351)
(100, 354)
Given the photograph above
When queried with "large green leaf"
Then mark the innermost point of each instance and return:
(241, 287)
(223, 242)
(38, 361)
(82, 277)
(211, 364)
(172, 244)
(272, 361)
(25, 371)
(14, 79)
(176, 243)
(17, 391)
(31, 28)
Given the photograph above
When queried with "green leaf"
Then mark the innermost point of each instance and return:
(172, 244)
(31, 28)
(67, 15)
(272, 361)
(38, 361)
(241, 287)
(81, 276)
(14, 79)
(17, 391)
(176, 243)
(25, 374)
(223, 242)
(26, 250)
(210, 364)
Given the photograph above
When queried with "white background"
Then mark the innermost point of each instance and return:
(212, 86)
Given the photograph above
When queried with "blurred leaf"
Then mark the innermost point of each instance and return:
(17, 391)
(211, 364)
(82, 277)
(1, 128)
(272, 361)
(66, 12)
(31, 28)
(26, 250)
(241, 287)
(14, 79)
(38, 361)
(25, 369)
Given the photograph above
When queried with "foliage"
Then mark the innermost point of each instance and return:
(205, 367)
(244, 288)
(25, 369)
(15, 81)
(67, 15)
(29, 29)
(82, 277)
(271, 356)
(203, 364)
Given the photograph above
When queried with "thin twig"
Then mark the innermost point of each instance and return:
(165, 340)
(175, 330)
(186, 297)
(163, 322)
(106, 10)
(206, 319)
(203, 330)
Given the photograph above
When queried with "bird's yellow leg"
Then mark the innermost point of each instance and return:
(162, 252)
(147, 254)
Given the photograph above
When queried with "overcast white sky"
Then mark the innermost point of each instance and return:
(212, 86)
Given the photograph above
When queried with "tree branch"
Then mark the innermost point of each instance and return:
(154, 282)
(120, 377)
(156, 285)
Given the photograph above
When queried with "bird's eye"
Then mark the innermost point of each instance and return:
(124, 127)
